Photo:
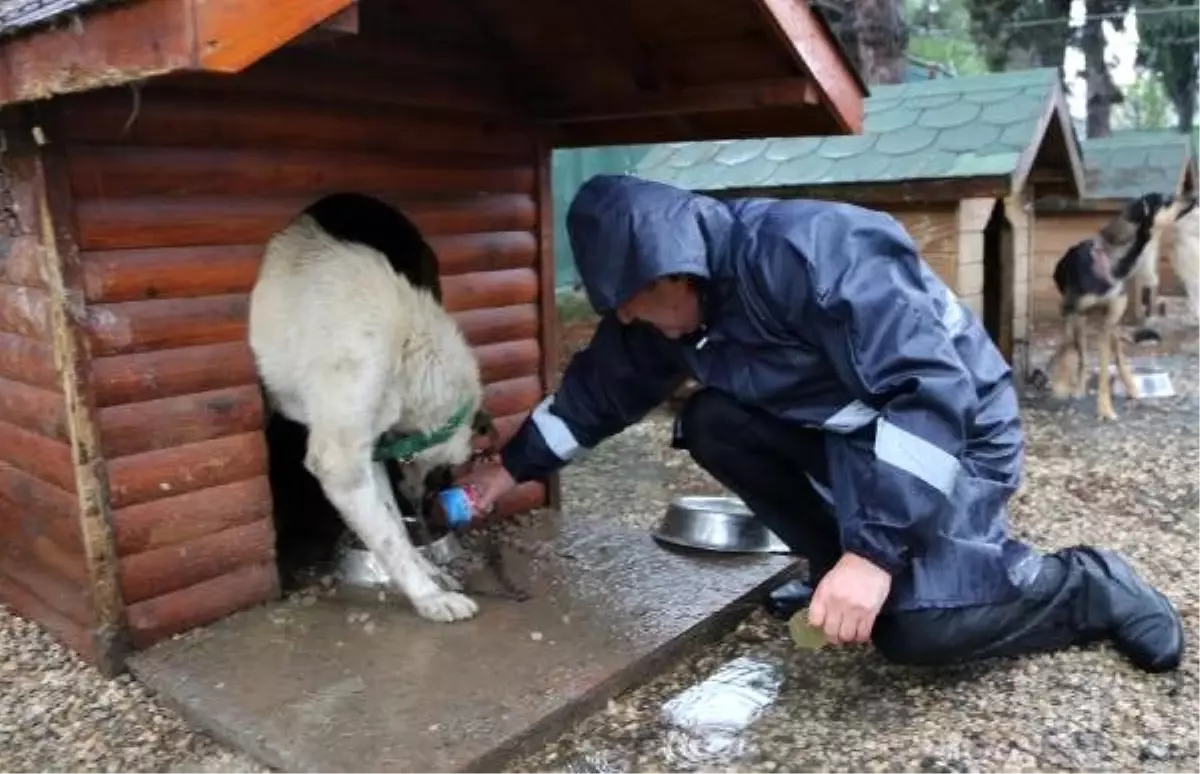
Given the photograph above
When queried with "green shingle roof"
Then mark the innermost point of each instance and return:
(972, 126)
(1128, 164)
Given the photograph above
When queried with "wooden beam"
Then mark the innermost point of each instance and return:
(108, 46)
(787, 92)
(814, 48)
(234, 34)
(342, 24)
(885, 193)
(548, 308)
(1054, 123)
(64, 277)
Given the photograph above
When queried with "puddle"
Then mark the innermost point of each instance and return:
(705, 727)
(706, 723)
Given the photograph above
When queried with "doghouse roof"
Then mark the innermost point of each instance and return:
(1129, 164)
(599, 73)
(940, 139)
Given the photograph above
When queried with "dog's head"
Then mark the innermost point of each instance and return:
(1154, 210)
(435, 469)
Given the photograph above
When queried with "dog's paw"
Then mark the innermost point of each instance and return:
(440, 575)
(1107, 414)
(445, 607)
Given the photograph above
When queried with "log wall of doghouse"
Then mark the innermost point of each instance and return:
(169, 213)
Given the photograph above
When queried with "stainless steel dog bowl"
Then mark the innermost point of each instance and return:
(355, 566)
(716, 524)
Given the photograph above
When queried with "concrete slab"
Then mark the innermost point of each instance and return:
(303, 688)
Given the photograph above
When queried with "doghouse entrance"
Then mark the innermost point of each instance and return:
(307, 526)
(998, 280)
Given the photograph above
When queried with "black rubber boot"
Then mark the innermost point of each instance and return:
(1143, 624)
(783, 602)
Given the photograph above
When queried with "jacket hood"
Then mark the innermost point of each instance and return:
(626, 232)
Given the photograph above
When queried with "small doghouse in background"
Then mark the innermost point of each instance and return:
(1118, 169)
(151, 147)
(956, 160)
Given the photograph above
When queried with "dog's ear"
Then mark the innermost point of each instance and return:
(1187, 203)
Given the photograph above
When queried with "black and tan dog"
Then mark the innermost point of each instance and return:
(1092, 278)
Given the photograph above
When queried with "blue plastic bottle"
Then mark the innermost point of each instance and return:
(456, 507)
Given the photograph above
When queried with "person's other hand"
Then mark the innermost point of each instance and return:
(847, 600)
(491, 482)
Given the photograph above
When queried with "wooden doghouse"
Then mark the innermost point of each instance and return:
(1117, 169)
(151, 147)
(956, 160)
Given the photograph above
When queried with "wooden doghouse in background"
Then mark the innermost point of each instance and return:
(955, 160)
(1118, 169)
(150, 149)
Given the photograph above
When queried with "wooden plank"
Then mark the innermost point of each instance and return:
(44, 508)
(120, 172)
(492, 251)
(34, 409)
(147, 376)
(64, 278)
(187, 272)
(121, 224)
(171, 116)
(113, 51)
(27, 361)
(843, 91)
(548, 334)
(38, 456)
(31, 607)
(487, 290)
(140, 478)
(178, 520)
(153, 620)
(178, 272)
(327, 76)
(512, 396)
(138, 326)
(135, 428)
(65, 595)
(25, 312)
(782, 92)
(43, 555)
(508, 323)
(508, 360)
(234, 34)
(162, 570)
(21, 261)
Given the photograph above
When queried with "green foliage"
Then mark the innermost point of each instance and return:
(1167, 46)
(1146, 104)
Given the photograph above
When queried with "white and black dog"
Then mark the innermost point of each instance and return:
(1092, 277)
(351, 341)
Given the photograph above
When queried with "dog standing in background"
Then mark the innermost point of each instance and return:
(1092, 277)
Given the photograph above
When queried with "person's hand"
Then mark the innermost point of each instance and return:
(490, 482)
(847, 600)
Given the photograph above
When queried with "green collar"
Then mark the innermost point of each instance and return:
(405, 447)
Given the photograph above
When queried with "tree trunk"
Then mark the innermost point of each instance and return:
(882, 37)
(1102, 92)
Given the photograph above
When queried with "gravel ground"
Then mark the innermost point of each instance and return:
(1129, 485)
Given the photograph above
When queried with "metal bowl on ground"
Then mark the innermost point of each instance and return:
(721, 524)
(355, 566)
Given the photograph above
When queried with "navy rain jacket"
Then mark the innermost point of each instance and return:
(824, 315)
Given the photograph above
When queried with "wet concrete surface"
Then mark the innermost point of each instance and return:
(329, 682)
